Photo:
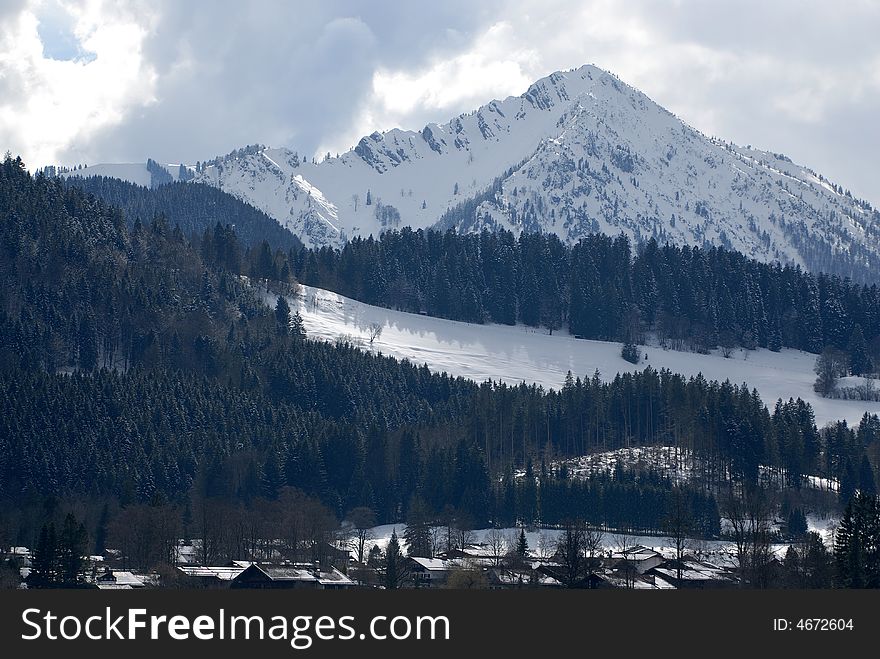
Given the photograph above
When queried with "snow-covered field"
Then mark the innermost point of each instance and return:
(671, 463)
(514, 354)
(542, 541)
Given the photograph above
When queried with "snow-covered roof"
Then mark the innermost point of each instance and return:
(434, 564)
(285, 573)
(224, 573)
(637, 553)
(693, 571)
(119, 578)
(333, 577)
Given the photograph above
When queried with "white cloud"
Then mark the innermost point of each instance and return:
(492, 67)
(49, 104)
(189, 80)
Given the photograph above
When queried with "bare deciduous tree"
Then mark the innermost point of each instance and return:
(593, 546)
(679, 525)
(749, 518)
(374, 331)
(464, 533)
(546, 546)
(497, 544)
(830, 365)
(571, 551)
(362, 520)
(625, 545)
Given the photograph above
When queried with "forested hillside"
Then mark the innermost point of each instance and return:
(601, 289)
(139, 368)
(193, 207)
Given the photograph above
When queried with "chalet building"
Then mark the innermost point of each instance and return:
(297, 575)
(333, 579)
(695, 574)
(639, 558)
(430, 572)
(197, 576)
(118, 580)
(476, 555)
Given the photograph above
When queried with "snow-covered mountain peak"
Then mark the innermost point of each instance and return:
(579, 151)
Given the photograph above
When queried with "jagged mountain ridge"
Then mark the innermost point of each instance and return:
(578, 152)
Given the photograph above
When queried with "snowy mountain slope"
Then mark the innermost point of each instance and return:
(579, 151)
(514, 354)
(137, 172)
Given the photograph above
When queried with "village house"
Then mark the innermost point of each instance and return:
(430, 572)
(695, 574)
(639, 557)
(197, 576)
(294, 575)
(119, 580)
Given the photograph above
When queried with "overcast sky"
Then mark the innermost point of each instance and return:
(106, 81)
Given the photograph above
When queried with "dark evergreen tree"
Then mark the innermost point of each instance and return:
(297, 328)
(271, 478)
(859, 360)
(867, 485)
(71, 548)
(46, 569)
(522, 544)
(394, 569)
(631, 353)
(797, 523)
(857, 544)
(418, 535)
(282, 316)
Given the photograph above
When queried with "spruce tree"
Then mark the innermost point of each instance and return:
(71, 547)
(418, 529)
(394, 564)
(774, 341)
(859, 360)
(282, 316)
(866, 477)
(271, 478)
(45, 571)
(297, 327)
(631, 353)
(797, 523)
(857, 544)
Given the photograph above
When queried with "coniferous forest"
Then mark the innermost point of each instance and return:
(601, 288)
(193, 207)
(141, 378)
